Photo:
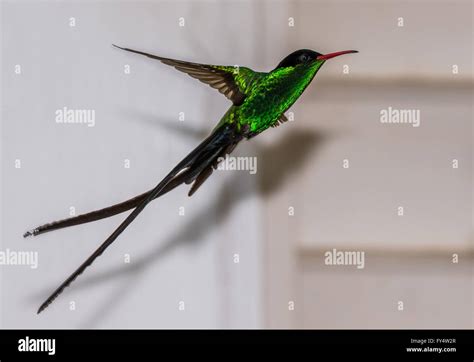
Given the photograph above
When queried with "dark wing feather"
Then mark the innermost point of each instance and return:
(211, 166)
(222, 78)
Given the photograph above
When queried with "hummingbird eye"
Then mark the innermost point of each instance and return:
(304, 58)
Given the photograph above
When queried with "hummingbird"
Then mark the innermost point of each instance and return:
(259, 101)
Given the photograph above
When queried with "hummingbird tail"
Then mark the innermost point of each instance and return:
(194, 168)
(200, 173)
(95, 215)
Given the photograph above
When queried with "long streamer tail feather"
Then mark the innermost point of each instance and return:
(125, 205)
(97, 214)
(196, 167)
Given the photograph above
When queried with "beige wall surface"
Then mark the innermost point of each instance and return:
(423, 258)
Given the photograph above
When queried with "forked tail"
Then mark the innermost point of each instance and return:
(194, 168)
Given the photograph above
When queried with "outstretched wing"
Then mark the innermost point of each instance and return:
(230, 81)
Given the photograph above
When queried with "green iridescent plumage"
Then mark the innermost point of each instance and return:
(259, 98)
(270, 95)
(259, 102)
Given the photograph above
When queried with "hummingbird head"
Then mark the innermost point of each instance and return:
(307, 57)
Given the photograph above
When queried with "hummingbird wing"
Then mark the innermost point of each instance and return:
(231, 81)
(205, 155)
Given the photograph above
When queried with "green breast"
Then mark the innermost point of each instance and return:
(271, 96)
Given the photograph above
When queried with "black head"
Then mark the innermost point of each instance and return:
(302, 56)
(306, 56)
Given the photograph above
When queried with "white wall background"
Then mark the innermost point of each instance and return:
(173, 258)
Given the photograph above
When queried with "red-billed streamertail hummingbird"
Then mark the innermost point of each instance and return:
(259, 101)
